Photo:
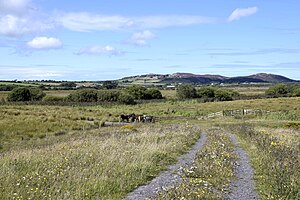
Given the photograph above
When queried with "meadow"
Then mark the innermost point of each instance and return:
(64, 152)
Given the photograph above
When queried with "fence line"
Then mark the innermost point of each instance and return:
(226, 113)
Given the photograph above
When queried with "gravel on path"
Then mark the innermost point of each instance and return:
(243, 188)
(170, 178)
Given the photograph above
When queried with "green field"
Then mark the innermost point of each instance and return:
(64, 152)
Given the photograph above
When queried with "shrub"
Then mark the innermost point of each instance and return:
(36, 94)
(140, 92)
(19, 94)
(223, 95)
(277, 90)
(137, 91)
(110, 84)
(108, 95)
(85, 95)
(50, 98)
(153, 93)
(186, 92)
(7, 87)
(126, 99)
(206, 92)
(68, 84)
(296, 92)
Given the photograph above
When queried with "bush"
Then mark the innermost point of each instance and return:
(126, 99)
(110, 85)
(68, 84)
(153, 93)
(36, 94)
(19, 94)
(223, 95)
(140, 92)
(85, 95)
(206, 92)
(108, 95)
(53, 98)
(7, 87)
(26, 94)
(137, 91)
(186, 92)
(278, 90)
(296, 92)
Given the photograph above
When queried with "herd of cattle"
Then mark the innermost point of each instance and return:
(131, 118)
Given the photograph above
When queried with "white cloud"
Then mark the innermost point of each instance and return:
(85, 22)
(44, 43)
(17, 7)
(141, 38)
(15, 26)
(19, 17)
(100, 50)
(242, 12)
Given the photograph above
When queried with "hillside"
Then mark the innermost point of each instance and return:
(176, 78)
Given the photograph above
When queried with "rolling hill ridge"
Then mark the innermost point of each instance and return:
(205, 79)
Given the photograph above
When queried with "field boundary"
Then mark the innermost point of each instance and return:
(232, 113)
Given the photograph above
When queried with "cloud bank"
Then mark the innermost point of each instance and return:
(86, 22)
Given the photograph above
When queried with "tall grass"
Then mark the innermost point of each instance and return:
(210, 175)
(92, 165)
(276, 162)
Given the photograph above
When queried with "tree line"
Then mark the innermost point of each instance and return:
(132, 94)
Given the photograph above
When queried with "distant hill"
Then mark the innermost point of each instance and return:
(203, 79)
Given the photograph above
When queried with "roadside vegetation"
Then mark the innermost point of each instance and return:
(275, 157)
(210, 175)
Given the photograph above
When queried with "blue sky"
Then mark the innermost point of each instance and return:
(103, 40)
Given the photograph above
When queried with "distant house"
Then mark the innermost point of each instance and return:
(171, 87)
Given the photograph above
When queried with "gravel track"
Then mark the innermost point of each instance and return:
(170, 178)
(243, 188)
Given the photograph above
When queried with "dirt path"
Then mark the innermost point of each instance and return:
(244, 187)
(168, 179)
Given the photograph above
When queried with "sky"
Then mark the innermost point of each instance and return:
(107, 40)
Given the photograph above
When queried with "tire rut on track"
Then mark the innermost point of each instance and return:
(243, 188)
(170, 178)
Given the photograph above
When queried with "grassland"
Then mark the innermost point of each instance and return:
(18, 84)
(63, 152)
(104, 164)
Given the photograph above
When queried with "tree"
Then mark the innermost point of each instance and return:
(137, 91)
(110, 85)
(206, 92)
(68, 84)
(186, 92)
(126, 99)
(223, 95)
(153, 93)
(19, 94)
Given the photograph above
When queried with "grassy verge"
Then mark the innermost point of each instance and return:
(275, 158)
(92, 165)
(210, 175)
